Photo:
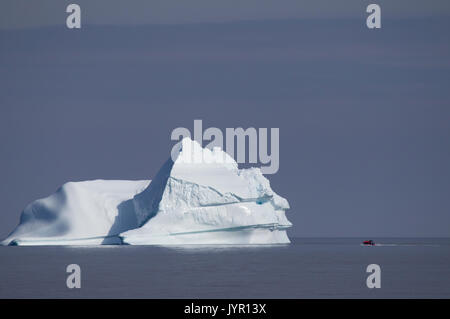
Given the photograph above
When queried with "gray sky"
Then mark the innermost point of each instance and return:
(26, 13)
(363, 114)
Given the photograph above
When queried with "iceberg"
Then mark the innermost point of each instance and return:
(199, 196)
(79, 213)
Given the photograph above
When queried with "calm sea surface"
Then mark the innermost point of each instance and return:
(307, 268)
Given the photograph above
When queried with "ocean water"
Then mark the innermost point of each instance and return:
(307, 268)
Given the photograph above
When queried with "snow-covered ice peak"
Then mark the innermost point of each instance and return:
(191, 152)
(193, 195)
(217, 180)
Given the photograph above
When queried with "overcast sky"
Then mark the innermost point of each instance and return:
(25, 13)
(363, 114)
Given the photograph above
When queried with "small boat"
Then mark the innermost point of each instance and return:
(368, 243)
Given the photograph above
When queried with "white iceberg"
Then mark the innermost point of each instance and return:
(201, 197)
(79, 213)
